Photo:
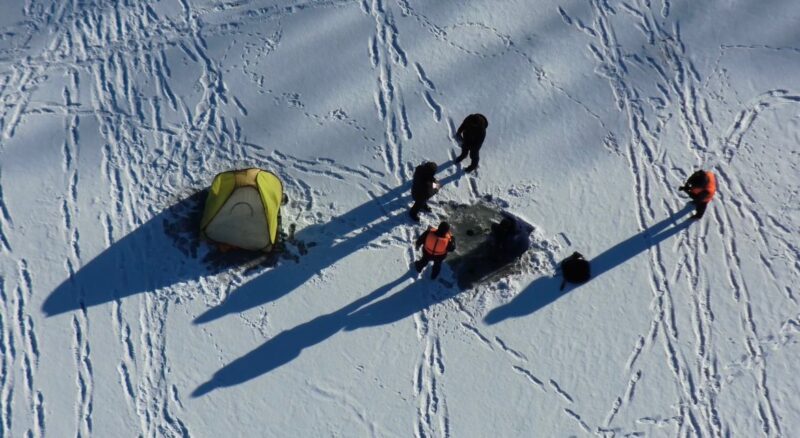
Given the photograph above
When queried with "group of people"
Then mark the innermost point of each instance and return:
(470, 136)
(437, 242)
(508, 240)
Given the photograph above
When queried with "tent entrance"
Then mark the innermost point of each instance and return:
(241, 221)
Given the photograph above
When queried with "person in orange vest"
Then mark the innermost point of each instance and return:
(701, 187)
(435, 243)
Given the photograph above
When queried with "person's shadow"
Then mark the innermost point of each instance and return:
(164, 251)
(332, 241)
(545, 290)
(287, 345)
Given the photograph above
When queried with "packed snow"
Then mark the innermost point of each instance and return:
(117, 320)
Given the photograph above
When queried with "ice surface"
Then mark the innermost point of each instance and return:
(471, 261)
(116, 321)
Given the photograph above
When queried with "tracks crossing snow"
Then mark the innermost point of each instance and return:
(680, 87)
(117, 55)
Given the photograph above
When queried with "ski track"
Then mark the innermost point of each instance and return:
(8, 350)
(30, 361)
(80, 322)
(18, 344)
(741, 294)
(122, 329)
(519, 364)
(341, 398)
(149, 396)
(432, 416)
(122, 120)
(385, 54)
(338, 115)
(513, 353)
(5, 219)
(432, 413)
(20, 354)
(679, 85)
(744, 119)
(108, 45)
(773, 344)
(104, 46)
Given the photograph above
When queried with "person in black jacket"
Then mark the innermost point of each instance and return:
(436, 243)
(508, 240)
(470, 135)
(423, 187)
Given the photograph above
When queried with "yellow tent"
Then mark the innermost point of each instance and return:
(242, 209)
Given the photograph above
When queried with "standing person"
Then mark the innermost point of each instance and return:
(423, 187)
(701, 187)
(470, 135)
(436, 243)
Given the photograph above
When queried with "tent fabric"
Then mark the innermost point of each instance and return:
(243, 209)
(241, 222)
(271, 191)
(221, 189)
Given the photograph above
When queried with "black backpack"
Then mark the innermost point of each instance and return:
(575, 269)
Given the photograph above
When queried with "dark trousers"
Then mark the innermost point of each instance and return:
(700, 208)
(426, 258)
(474, 155)
(419, 205)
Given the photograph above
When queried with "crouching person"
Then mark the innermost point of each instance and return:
(508, 240)
(435, 243)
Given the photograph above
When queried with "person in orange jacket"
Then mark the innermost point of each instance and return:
(436, 243)
(701, 187)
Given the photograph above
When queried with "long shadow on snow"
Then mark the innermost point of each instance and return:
(330, 246)
(287, 345)
(161, 252)
(546, 290)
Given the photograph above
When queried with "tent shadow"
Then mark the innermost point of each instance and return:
(545, 290)
(164, 251)
(378, 215)
(287, 345)
(161, 252)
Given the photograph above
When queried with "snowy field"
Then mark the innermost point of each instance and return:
(115, 321)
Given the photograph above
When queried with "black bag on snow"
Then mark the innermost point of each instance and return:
(575, 269)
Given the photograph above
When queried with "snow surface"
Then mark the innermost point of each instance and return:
(114, 116)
